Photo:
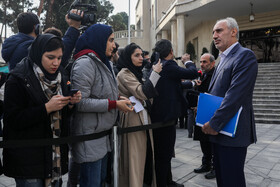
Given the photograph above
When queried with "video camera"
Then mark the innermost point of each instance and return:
(89, 8)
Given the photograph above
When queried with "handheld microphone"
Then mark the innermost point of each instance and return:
(178, 58)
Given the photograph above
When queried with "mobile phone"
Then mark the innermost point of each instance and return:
(72, 92)
(156, 57)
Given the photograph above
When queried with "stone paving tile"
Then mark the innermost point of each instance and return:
(277, 167)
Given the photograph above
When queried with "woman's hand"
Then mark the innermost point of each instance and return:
(157, 67)
(76, 98)
(56, 103)
(124, 106)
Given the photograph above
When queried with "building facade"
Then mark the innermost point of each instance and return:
(183, 21)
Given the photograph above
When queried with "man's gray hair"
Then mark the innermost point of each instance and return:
(211, 57)
(231, 23)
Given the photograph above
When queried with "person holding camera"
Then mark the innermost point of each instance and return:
(93, 75)
(71, 35)
(35, 108)
(15, 48)
(135, 146)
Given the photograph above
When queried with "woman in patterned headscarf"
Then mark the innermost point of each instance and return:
(35, 108)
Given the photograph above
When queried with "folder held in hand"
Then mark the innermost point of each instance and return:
(207, 106)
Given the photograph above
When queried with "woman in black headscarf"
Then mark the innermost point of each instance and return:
(35, 108)
(134, 145)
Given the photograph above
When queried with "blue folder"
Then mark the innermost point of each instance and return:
(207, 106)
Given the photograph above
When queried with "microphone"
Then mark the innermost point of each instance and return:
(199, 74)
(178, 58)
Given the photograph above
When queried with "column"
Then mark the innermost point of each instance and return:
(174, 36)
(180, 35)
(164, 34)
(159, 37)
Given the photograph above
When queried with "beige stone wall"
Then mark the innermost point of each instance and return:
(204, 34)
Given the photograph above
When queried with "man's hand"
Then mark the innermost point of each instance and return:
(207, 129)
(157, 67)
(73, 23)
(197, 82)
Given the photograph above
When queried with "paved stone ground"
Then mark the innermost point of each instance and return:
(262, 167)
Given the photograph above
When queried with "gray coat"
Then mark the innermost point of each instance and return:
(97, 84)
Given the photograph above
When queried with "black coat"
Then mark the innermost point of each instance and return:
(25, 117)
(205, 82)
(170, 102)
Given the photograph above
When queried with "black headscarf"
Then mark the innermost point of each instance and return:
(38, 48)
(125, 61)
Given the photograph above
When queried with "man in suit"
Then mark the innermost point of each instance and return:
(168, 106)
(233, 79)
(207, 64)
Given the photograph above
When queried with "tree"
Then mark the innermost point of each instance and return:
(190, 50)
(119, 21)
(116, 21)
(9, 9)
(60, 8)
(51, 12)
(204, 50)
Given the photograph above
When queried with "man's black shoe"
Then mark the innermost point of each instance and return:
(202, 168)
(211, 174)
(174, 184)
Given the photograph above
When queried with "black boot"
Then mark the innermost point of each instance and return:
(202, 169)
(211, 174)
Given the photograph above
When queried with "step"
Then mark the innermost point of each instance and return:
(269, 74)
(267, 116)
(264, 92)
(269, 64)
(267, 89)
(266, 106)
(268, 78)
(267, 111)
(267, 121)
(265, 96)
(267, 102)
(262, 85)
(265, 81)
(266, 71)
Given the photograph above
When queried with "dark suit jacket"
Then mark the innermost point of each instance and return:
(235, 82)
(170, 103)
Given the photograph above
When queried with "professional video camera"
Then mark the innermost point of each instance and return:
(89, 9)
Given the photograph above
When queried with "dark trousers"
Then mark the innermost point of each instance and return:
(164, 142)
(206, 148)
(191, 121)
(229, 165)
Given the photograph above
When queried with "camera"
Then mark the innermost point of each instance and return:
(89, 9)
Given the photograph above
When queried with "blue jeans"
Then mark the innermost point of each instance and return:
(32, 183)
(92, 174)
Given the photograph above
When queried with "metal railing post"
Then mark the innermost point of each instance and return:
(116, 161)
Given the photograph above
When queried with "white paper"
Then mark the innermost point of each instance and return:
(138, 106)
